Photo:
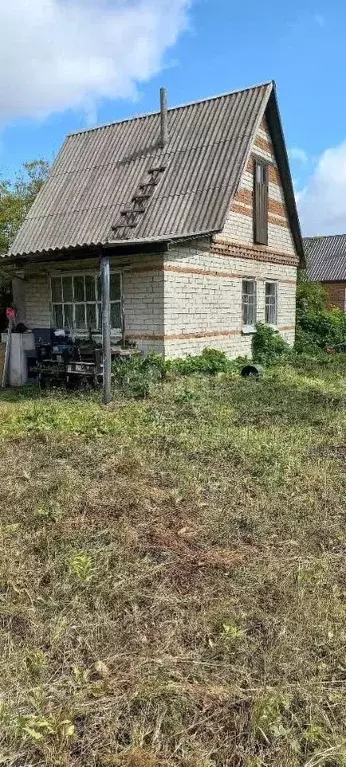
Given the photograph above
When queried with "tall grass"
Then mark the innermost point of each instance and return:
(172, 574)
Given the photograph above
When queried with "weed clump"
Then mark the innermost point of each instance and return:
(138, 375)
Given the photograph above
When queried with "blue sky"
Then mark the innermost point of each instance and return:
(68, 64)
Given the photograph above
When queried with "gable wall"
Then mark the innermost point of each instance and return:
(239, 223)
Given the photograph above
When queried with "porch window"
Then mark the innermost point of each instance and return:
(249, 303)
(271, 303)
(76, 301)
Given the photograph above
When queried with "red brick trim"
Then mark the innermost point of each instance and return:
(195, 270)
(273, 219)
(217, 273)
(240, 207)
(263, 144)
(255, 252)
(187, 336)
(245, 210)
(275, 207)
(200, 272)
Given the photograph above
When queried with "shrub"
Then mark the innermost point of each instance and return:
(311, 296)
(317, 326)
(318, 329)
(210, 362)
(135, 376)
(268, 345)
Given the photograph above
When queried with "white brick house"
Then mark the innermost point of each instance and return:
(202, 229)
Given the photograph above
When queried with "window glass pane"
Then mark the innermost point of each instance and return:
(115, 315)
(80, 316)
(115, 287)
(56, 289)
(90, 288)
(78, 286)
(249, 302)
(271, 303)
(67, 288)
(98, 287)
(249, 287)
(91, 316)
(270, 288)
(57, 317)
(68, 312)
(259, 173)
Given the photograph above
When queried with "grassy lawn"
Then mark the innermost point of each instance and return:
(173, 574)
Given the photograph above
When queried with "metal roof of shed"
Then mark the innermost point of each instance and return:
(98, 172)
(326, 257)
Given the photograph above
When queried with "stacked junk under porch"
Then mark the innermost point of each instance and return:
(51, 356)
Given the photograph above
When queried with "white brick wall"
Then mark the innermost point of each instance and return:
(142, 294)
(143, 307)
(197, 298)
(200, 304)
(37, 301)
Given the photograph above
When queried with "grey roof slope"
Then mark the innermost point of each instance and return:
(98, 172)
(326, 257)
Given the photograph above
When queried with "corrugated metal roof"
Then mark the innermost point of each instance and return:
(98, 172)
(326, 257)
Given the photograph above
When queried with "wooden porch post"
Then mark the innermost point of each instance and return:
(106, 330)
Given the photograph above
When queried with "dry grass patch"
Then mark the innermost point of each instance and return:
(172, 576)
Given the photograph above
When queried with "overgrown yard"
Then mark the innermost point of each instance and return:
(173, 574)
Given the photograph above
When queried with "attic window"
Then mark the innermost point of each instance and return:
(260, 202)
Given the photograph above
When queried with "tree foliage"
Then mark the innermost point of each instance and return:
(311, 296)
(16, 198)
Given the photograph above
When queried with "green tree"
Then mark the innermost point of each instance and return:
(17, 196)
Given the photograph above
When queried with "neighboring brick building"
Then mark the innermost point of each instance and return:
(326, 263)
(201, 227)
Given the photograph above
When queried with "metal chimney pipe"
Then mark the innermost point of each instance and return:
(163, 110)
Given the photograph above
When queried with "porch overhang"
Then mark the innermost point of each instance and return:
(84, 253)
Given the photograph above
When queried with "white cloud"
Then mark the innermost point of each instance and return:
(62, 54)
(299, 155)
(322, 202)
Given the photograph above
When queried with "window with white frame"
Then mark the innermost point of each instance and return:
(249, 303)
(76, 301)
(271, 303)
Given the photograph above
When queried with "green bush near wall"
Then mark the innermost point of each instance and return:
(317, 326)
